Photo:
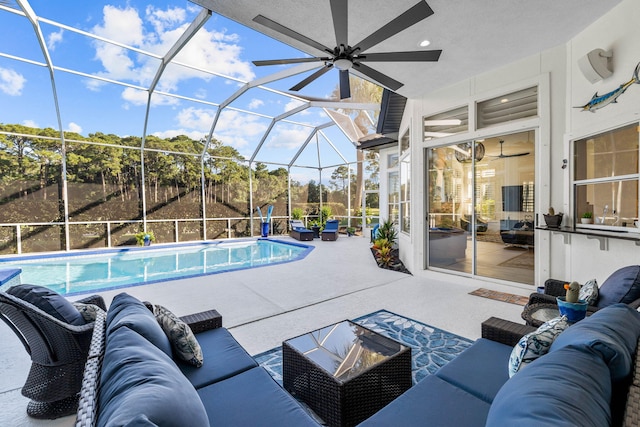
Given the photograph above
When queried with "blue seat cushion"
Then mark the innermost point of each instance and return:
(252, 398)
(549, 392)
(622, 286)
(479, 370)
(48, 301)
(223, 358)
(141, 385)
(432, 402)
(612, 332)
(128, 311)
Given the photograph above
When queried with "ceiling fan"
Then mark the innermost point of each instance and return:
(462, 152)
(504, 156)
(345, 57)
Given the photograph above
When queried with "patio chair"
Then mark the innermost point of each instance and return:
(299, 232)
(58, 352)
(330, 231)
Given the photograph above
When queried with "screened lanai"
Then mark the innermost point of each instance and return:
(124, 117)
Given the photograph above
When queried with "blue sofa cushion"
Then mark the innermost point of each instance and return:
(433, 402)
(612, 332)
(223, 356)
(622, 286)
(128, 311)
(551, 393)
(48, 301)
(479, 370)
(252, 398)
(141, 385)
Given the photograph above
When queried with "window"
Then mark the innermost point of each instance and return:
(446, 124)
(513, 106)
(394, 192)
(405, 194)
(605, 179)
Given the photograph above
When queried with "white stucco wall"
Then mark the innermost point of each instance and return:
(561, 87)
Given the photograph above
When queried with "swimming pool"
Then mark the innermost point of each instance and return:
(93, 271)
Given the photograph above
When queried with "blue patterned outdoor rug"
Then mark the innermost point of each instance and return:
(431, 347)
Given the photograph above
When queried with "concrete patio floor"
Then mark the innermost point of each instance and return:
(264, 306)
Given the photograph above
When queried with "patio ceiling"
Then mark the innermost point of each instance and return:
(475, 36)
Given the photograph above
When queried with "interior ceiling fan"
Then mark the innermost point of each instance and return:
(504, 156)
(345, 57)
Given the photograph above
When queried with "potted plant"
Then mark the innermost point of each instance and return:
(351, 231)
(587, 218)
(552, 219)
(144, 238)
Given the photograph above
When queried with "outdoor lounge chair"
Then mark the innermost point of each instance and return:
(58, 353)
(299, 232)
(330, 231)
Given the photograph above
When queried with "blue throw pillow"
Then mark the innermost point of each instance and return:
(536, 344)
(568, 387)
(612, 332)
(140, 386)
(128, 311)
(48, 301)
(622, 286)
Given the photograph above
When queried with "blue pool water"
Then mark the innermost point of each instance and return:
(109, 269)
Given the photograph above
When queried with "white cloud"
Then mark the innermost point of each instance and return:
(288, 138)
(30, 123)
(255, 103)
(74, 127)
(54, 39)
(11, 82)
(140, 97)
(210, 50)
(193, 134)
(294, 103)
(233, 128)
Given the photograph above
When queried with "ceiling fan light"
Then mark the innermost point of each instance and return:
(342, 64)
(424, 43)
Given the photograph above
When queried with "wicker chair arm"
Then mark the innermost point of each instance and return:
(504, 331)
(95, 300)
(554, 287)
(536, 298)
(88, 402)
(204, 321)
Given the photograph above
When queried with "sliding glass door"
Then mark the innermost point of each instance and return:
(480, 204)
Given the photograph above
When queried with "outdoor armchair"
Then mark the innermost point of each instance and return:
(58, 353)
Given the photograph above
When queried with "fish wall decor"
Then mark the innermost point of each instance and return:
(598, 101)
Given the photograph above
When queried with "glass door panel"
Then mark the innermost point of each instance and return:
(481, 207)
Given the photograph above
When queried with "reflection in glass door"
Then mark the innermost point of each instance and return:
(480, 207)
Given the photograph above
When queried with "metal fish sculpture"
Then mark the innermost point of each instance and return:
(599, 101)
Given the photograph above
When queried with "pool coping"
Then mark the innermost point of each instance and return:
(83, 253)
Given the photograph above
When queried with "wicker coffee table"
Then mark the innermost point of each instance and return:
(345, 372)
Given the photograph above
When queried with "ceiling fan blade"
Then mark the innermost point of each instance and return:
(377, 76)
(260, 19)
(417, 56)
(345, 88)
(412, 16)
(311, 78)
(340, 21)
(516, 155)
(288, 61)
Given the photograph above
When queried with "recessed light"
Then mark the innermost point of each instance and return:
(503, 100)
(424, 43)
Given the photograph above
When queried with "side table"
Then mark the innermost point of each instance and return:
(537, 314)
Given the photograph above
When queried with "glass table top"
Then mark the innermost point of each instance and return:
(345, 350)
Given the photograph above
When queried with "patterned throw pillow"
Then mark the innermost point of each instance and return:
(183, 342)
(589, 292)
(536, 344)
(89, 312)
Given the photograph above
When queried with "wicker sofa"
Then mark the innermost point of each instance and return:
(130, 379)
(589, 378)
(572, 382)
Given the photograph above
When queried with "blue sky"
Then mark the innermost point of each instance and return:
(89, 106)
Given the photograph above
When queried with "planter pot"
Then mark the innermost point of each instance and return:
(553, 221)
(586, 220)
(573, 310)
(316, 232)
(264, 229)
